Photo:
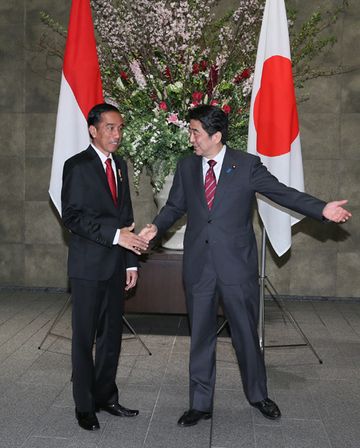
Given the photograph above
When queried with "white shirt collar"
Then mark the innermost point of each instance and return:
(102, 156)
(219, 158)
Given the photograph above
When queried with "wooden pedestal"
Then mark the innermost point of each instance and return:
(159, 289)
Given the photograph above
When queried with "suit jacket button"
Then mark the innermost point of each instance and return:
(210, 221)
(206, 241)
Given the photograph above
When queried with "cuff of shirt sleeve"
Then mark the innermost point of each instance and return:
(116, 237)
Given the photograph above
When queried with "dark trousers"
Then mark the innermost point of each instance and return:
(96, 316)
(241, 307)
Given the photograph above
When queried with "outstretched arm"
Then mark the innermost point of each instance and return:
(334, 211)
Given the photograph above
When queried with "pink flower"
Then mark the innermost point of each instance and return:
(197, 96)
(214, 102)
(163, 105)
(226, 108)
(138, 74)
(172, 118)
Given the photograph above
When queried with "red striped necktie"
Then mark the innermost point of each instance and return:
(210, 184)
(111, 180)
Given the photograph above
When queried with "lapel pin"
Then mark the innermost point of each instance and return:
(120, 175)
(229, 169)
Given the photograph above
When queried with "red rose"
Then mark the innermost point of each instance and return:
(163, 105)
(123, 75)
(237, 79)
(213, 79)
(168, 73)
(194, 104)
(203, 65)
(196, 68)
(226, 108)
(245, 73)
(214, 102)
(197, 96)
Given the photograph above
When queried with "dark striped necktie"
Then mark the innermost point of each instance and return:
(210, 184)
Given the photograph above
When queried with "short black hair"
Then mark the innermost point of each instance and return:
(212, 118)
(94, 116)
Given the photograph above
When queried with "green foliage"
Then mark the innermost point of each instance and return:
(53, 24)
(160, 58)
(312, 38)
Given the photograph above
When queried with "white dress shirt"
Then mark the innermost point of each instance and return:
(103, 159)
(219, 158)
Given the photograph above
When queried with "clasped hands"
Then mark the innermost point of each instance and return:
(137, 243)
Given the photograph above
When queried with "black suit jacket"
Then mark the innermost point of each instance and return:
(89, 213)
(227, 229)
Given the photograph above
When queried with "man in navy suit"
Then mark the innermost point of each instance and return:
(216, 188)
(102, 263)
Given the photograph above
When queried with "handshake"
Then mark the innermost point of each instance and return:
(137, 243)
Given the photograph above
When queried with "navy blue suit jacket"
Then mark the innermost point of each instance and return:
(227, 229)
(88, 211)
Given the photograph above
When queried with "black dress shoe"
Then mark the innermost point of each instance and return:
(192, 417)
(87, 420)
(268, 408)
(118, 410)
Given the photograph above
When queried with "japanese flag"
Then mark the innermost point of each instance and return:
(274, 125)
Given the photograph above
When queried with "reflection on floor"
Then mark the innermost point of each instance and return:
(320, 403)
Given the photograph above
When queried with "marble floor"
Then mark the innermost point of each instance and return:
(320, 403)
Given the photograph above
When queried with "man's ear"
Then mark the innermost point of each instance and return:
(92, 131)
(217, 137)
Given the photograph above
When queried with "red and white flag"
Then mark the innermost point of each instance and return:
(80, 90)
(274, 125)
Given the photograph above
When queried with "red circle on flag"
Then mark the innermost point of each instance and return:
(275, 115)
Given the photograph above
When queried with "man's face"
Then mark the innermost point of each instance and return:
(108, 132)
(204, 144)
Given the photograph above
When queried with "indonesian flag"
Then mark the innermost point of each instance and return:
(274, 125)
(80, 90)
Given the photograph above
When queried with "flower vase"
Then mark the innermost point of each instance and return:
(174, 237)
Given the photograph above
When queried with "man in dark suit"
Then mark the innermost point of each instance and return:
(102, 263)
(216, 189)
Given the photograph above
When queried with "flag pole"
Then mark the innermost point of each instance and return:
(274, 295)
(262, 279)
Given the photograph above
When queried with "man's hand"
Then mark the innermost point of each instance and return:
(149, 232)
(131, 278)
(131, 241)
(335, 212)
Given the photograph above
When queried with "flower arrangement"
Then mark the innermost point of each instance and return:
(159, 58)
